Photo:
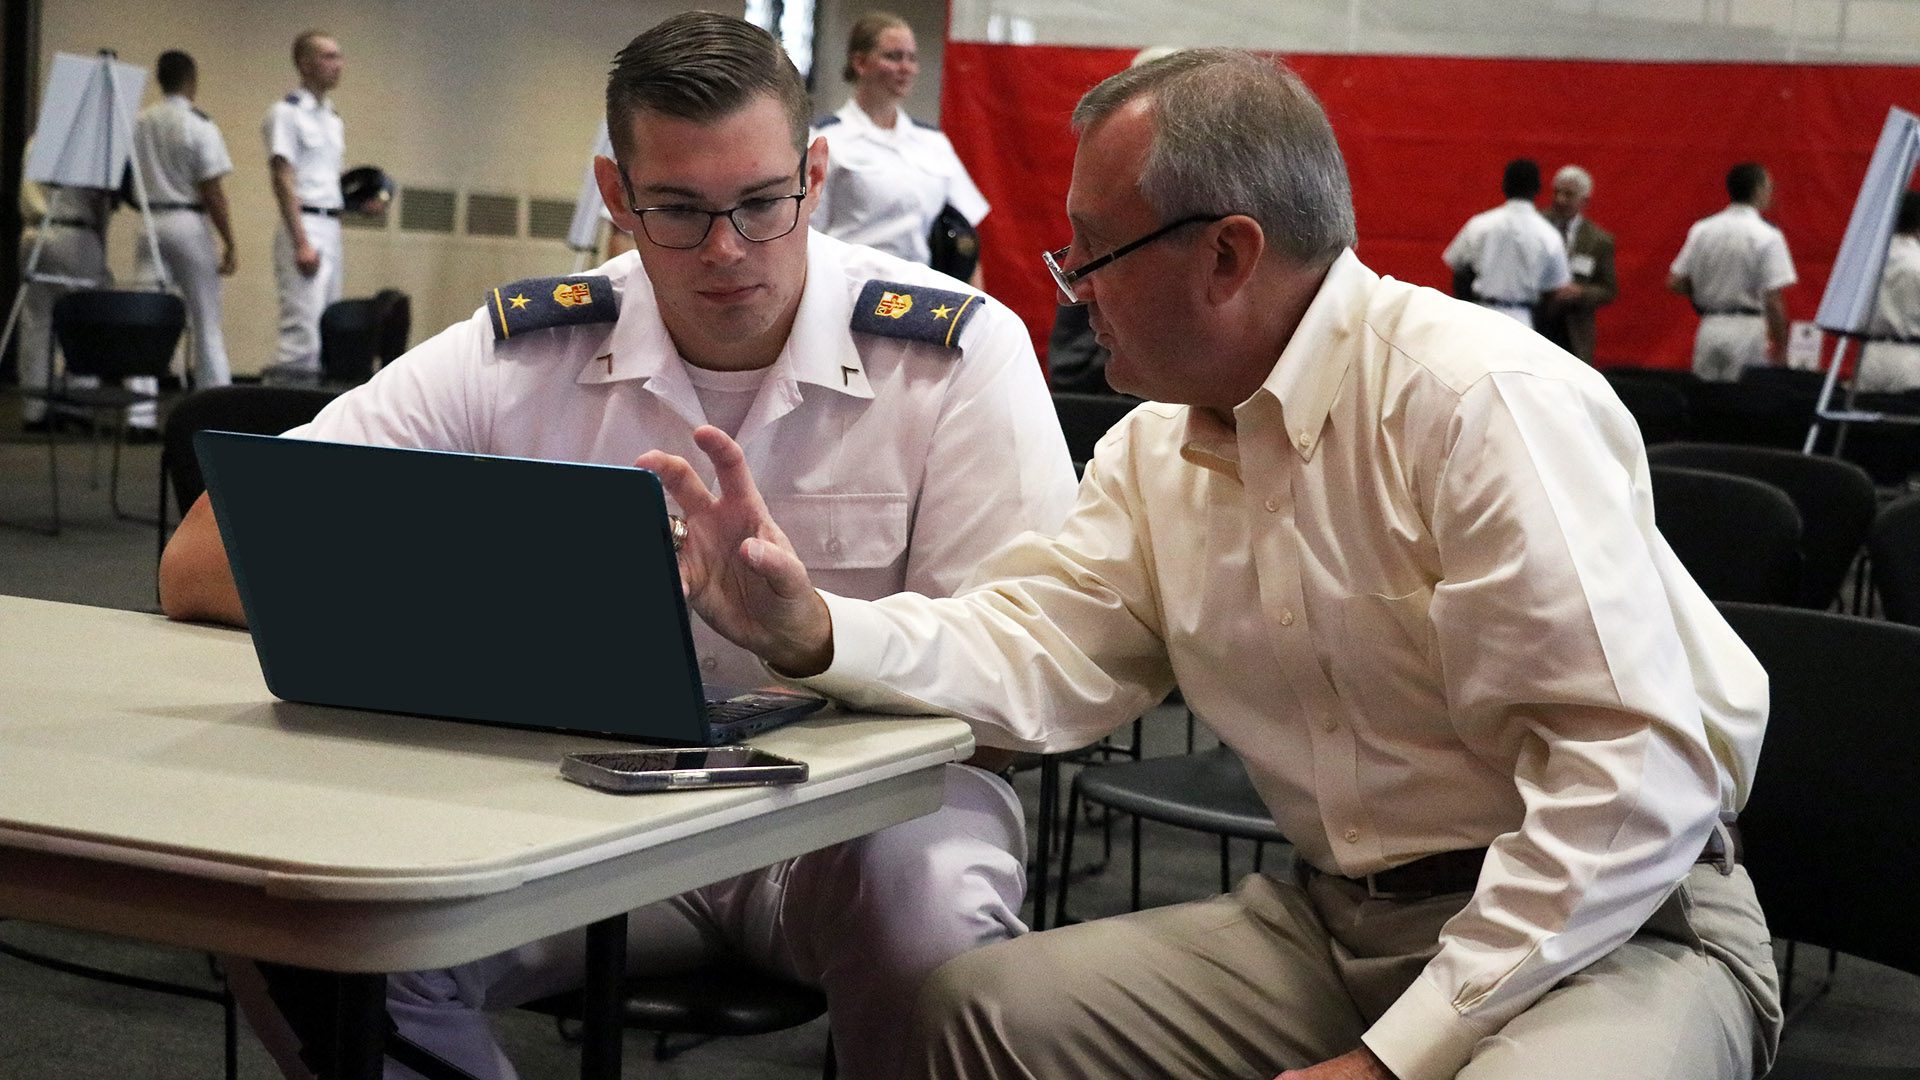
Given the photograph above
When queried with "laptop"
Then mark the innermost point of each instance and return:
(533, 594)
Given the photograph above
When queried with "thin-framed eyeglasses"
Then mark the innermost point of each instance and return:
(683, 227)
(1069, 280)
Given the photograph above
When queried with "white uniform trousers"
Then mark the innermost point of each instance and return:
(1888, 367)
(303, 298)
(192, 260)
(68, 252)
(866, 921)
(1728, 344)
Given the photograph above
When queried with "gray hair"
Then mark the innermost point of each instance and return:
(1580, 178)
(1236, 133)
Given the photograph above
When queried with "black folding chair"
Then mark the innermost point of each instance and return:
(350, 339)
(257, 410)
(107, 336)
(1835, 498)
(1895, 549)
(1739, 538)
(1829, 830)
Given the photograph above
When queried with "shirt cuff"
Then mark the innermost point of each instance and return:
(858, 634)
(1422, 1036)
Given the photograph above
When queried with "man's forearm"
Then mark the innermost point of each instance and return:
(283, 193)
(196, 584)
(1776, 323)
(214, 198)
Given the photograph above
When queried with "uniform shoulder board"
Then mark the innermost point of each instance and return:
(919, 123)
(914, 312)
(202, 115)
(542, 303)
(291, 99)
(826, 121)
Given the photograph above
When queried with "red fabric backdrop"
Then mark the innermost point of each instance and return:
(1426, 138)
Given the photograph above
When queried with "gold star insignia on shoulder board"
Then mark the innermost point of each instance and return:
(942, 311)
(518, 302)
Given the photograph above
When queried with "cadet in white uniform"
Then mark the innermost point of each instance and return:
(903, 432)
(306, 144)
(184, 158)
(1732, 268)
(888, 176)
(1892, 363)
(1510, 257)
(76, 247)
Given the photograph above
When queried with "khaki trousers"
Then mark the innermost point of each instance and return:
(1285, 974)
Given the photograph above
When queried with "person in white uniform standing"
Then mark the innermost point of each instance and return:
(1732, 268)
(1891, 362)
(185, 158)
(1510, 258)
(888, 176)
(902, 430)
(306, 143)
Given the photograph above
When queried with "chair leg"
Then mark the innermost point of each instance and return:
(1066, 855)
(1226, 865)
(1136, 863)
(830, 1068)
(53, 473)
(230, 1044)
(1049, 806)
(1259, 855)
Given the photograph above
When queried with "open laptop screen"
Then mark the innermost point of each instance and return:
(533, 593)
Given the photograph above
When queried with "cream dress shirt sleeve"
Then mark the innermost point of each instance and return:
(1058, 648)
(1561, 649)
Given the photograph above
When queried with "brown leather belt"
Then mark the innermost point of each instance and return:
(1459, 871)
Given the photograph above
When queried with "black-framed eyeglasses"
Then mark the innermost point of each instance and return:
(1069, 280)
(758, 220)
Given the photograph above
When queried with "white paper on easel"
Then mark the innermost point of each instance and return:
(584, 233)
(1848, 302)
(78, 142)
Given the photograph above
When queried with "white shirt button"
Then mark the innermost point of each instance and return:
(1305, 440)
(1330, 725)
(1286, 618)
(1273, 506)
(1351, 836)
(709, 663)
(833, 547)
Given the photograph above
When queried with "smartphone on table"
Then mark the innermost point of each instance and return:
(681, 769)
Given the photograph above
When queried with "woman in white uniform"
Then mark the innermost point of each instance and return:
(888, 176)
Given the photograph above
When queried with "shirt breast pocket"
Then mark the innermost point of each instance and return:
(845, 532)
(1385, 664)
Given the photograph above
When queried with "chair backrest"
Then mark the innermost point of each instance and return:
(1895, 545)
(1835, 498)
(394, 311)
(1659, 407)
(257, 410)
(1829, 828)
(349, 340)
(1739, 538)
(115, 333)
(1084, 418)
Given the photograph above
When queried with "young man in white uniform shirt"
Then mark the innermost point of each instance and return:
(1732, 268)
(306, 144)
(185, 159)
(1400, 554)
(899, 451)
(75, 247)
(1892, 364)
(1510, 258)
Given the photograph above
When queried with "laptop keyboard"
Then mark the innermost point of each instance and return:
(741, 715)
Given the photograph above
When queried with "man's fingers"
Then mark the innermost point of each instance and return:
(677, 476)
(729, 465)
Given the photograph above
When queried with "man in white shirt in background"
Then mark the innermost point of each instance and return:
(306, 144)
(185, 158)
(1400, 554)
(1732, 268)
(1510, 258)
(1891, 362)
